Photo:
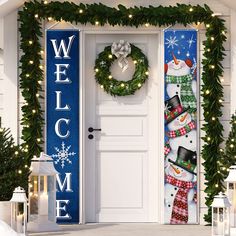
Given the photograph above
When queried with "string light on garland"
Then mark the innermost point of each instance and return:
(130, 16)
(31, 30)
(147, 24)
(207, 91)
(36, 16)
(31, 62)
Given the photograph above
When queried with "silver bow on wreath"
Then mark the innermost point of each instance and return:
(121, 50)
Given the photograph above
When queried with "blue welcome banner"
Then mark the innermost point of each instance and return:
(63, 119)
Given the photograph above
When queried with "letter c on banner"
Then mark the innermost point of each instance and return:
(58, 128)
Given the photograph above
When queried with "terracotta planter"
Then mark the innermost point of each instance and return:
(5, 211)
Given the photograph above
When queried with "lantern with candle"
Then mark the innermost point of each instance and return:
(220, 215)
(19, 210)
(231, 192)
(42, 194)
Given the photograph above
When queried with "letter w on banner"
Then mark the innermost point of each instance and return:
(181, 141)
(62, 139)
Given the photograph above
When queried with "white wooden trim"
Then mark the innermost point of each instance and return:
(233, 62)
(1, 33)
(82, 130)
(162, 136)
(10, 58)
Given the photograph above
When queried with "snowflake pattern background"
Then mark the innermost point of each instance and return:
(63, 155)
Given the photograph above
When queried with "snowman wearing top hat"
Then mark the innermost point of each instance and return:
(180, 188)
(180, 82)
(181, 126)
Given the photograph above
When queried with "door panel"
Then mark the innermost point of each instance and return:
(121, 163)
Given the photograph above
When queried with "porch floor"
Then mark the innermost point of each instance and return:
(130, 229)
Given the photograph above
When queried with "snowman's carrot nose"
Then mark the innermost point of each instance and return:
(175, 60)
(177, 171)
(183, 117)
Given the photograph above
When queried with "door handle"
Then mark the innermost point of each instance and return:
(91, 129)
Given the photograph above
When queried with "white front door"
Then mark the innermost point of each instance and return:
(121, 161)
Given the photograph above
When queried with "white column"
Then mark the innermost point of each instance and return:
(10, 58)
(233, 61)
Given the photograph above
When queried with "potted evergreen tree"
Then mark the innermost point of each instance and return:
(14, 171)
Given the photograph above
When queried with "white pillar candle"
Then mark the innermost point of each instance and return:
(19, 222)
(43, 209)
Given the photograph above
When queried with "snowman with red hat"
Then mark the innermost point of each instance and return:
(180, 188)
(179, 80)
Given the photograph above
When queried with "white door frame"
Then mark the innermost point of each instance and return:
(83, 132)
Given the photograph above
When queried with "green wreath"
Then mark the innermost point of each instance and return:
(118, 87)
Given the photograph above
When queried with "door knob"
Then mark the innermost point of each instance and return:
(91, 129)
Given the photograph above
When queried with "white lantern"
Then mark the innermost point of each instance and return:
(42, 195)
(220, 215)
(19, 210)
(231, 192)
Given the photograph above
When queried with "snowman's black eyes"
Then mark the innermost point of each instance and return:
(177, 93)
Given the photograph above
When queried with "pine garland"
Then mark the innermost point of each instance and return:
(99, 14)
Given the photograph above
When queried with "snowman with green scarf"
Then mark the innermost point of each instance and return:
(179, 80)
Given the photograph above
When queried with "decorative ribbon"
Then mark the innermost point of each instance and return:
(121, 50)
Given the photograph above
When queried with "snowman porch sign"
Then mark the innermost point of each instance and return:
(180, 192)
(180, 82)
(181, 127)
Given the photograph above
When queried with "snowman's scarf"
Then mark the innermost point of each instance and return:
(167, 148)
(186, 93)
(180, 206)
(182, 131)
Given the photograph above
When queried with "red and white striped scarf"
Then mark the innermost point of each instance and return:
(182, 131)
(180, 206)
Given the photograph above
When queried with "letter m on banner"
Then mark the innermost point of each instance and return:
(62, 138)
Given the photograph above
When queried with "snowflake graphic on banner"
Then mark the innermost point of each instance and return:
(171, 42)
(63, 155)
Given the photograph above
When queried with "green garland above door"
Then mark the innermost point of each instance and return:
(32, 69)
